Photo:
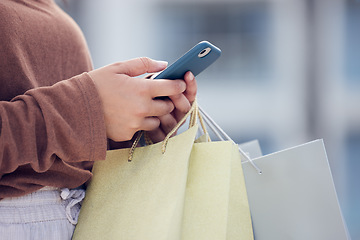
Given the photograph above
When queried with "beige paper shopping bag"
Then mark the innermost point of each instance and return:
(160, 195)
(216, 205)
(141, 199)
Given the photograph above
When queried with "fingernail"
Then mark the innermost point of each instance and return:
(191, 76)
(162, 64)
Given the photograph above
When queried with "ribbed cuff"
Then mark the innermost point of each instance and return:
(96, 118)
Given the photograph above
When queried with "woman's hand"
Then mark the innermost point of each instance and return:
(182, 103)
(130, 103)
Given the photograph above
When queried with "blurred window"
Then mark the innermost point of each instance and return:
(352, 40)
(241, 30)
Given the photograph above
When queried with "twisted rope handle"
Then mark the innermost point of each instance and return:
(133, 146)
(193, 113)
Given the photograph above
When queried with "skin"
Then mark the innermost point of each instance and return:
(130, 102)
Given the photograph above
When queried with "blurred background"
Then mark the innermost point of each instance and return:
(289, 71)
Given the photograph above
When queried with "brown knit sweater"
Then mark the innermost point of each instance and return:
(51, 120)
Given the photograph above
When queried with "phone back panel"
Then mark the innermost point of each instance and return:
(191, 61)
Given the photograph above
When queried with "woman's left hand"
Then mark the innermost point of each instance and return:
(182, 103)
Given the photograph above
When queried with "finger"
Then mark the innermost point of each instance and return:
(181, 103)
(191, 87)
(150, 123)
(138, 66)
(160, 107)
(164, 87)
(167, 123)
(156, 135)
(178, 115)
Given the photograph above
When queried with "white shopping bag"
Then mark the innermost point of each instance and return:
(294, 197)
(291, 193)
(251, 149)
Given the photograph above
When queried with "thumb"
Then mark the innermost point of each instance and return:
(138, 66)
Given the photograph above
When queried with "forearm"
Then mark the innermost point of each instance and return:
(64, 120)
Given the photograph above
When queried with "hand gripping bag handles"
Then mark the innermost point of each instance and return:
(294, 196)
(176, 189)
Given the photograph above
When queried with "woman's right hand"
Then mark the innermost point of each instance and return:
(130, 103)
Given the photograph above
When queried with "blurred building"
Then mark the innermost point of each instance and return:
(289, 71)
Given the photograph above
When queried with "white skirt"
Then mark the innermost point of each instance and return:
(46, 214)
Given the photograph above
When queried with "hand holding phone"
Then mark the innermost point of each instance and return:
(195, 60)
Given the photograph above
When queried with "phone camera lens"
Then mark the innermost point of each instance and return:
(204, 52)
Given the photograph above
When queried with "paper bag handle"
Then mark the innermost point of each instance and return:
(220, 133)
(194, 115)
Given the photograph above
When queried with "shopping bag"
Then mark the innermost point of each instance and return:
(294, 197)
(291, 193)
(251, 148)
(157, 194)
(141, 199)
(216, 205)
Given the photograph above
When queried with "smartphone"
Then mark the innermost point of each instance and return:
(196, 60)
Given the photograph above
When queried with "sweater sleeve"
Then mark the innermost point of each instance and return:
(61, 121)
